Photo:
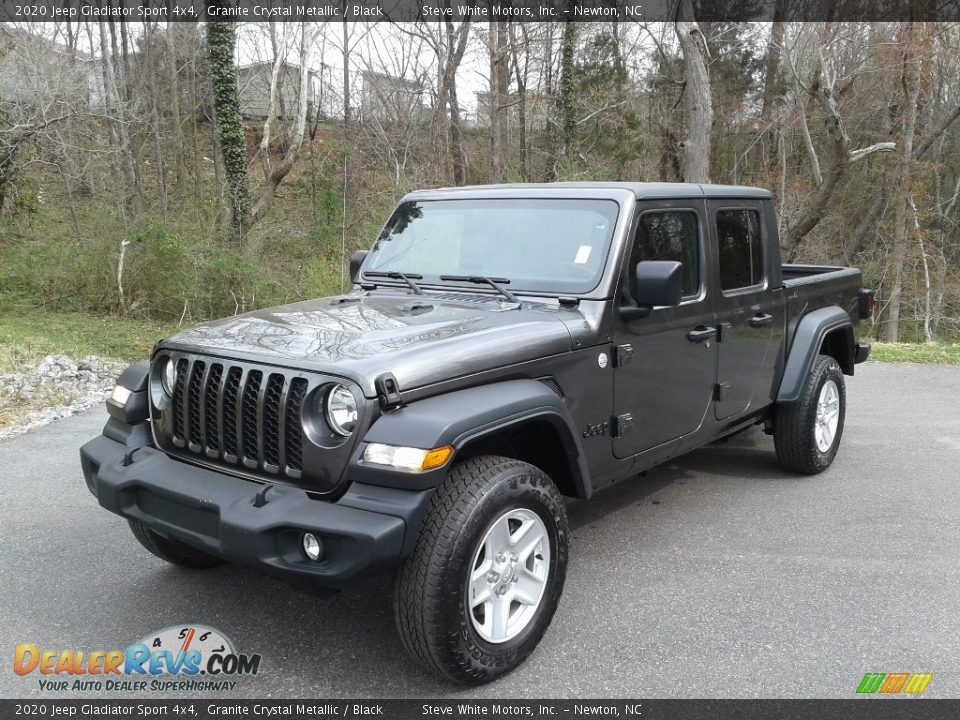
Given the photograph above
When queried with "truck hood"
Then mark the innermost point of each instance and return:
(421, 339)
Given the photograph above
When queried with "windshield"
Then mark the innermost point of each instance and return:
(548, 245)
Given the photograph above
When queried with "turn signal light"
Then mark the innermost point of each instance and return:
(407, 458)
(436, 457)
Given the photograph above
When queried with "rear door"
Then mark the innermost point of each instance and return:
(749, 311)
(665, 362)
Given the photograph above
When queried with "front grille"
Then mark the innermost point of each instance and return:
(239, 416)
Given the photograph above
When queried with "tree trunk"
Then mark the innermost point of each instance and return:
(346, 75)
(158, 155)
(911, 89)
(696, 146)
(118, 120)
(295, 141)
(550, 135)
(499, 77)
(774, 49)
(521, 78)
(174, 101)
(568, 90)
(230, 132)
(456, 45)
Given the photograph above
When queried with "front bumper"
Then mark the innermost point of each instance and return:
(366, 532)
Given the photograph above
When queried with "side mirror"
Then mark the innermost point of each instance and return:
(658, 283)
(356, 260)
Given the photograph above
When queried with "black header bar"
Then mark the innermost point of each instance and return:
(477, 10)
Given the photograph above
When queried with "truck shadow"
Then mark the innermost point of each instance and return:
(346, 645)
(749, 457)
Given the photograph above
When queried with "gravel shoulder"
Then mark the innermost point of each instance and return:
(55, 387)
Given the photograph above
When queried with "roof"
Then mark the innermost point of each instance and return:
(641, 190)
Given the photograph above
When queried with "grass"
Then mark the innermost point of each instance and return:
(27, 334)
(926, 353)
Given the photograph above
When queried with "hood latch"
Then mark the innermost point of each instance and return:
(388, 391)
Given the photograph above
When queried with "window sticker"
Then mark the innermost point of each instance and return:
(583, 254)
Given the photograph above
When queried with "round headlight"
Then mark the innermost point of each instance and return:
(341, 410)
(168, 376)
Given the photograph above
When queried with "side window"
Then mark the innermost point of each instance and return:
(669, 235)
(741, 248)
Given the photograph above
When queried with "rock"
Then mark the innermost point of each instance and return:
(57, 386)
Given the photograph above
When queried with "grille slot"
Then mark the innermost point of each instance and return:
(195, 390)
(231, 392)
(178, 413)
(294, 431)
(251, 393)
(210, 408)
(239, 415)
(271, 422)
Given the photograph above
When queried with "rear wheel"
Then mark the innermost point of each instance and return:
(173, 551)
(807, 432)
(487, 573)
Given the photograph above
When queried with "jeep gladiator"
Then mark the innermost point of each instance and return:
(501, 348)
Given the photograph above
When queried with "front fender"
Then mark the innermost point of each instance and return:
(461, 417)
(807, 340)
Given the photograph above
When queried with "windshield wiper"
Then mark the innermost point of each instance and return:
(483, 280)
(394, 275)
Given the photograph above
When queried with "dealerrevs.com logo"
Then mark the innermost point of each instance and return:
(180, 657)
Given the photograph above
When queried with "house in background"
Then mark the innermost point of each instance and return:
(40, 73)
(392, 100)
(253, 83)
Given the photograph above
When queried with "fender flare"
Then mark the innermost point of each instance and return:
(807, 340)
(463, 416)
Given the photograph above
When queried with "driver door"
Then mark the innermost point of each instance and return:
(665, 363)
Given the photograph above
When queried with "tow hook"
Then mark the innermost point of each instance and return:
(128, 458)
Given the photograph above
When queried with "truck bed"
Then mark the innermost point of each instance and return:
(807, 287)
(795, 275)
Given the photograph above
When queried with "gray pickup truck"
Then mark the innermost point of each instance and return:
(502, 348)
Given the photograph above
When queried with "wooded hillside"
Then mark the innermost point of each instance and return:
(135, 179)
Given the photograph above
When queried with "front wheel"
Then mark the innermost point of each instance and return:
(487, 573)
(807, 432)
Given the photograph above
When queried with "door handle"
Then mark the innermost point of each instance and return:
(761, 319)
(701, 333)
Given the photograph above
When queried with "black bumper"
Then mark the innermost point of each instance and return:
(861, 352)
(366, 532)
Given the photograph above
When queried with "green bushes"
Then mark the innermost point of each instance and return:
(165, 275)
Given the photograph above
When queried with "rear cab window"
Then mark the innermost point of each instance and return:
(739, 248)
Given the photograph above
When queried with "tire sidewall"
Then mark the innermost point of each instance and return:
(826, 370)
(516, 486)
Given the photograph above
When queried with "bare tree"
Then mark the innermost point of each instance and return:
(499, 82)
(696, 145)
(274, 174)
(910, 80)
(822, 88)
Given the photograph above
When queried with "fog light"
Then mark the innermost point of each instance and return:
(311, 546)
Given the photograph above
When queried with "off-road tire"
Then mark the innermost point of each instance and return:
(430, 600)
(173, 551)
(795, 423)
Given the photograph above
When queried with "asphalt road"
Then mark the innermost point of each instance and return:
(716, 576)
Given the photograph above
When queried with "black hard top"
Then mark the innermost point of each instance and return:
(640, 190)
